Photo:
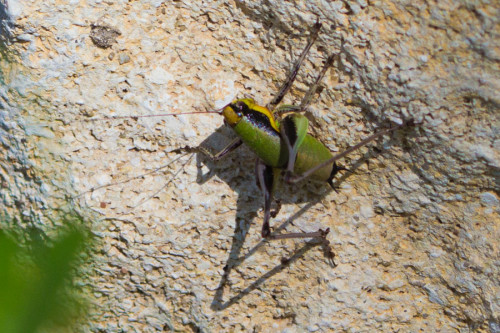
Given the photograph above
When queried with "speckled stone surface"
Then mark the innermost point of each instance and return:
(415, 226)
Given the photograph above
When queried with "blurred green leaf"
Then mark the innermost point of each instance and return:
(35, 281)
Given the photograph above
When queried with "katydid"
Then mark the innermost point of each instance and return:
(284, 144)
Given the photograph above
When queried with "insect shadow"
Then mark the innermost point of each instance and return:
(241, 178)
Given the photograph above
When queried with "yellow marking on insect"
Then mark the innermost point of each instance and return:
(233, 118)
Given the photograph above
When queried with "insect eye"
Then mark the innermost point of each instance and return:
(239, 108)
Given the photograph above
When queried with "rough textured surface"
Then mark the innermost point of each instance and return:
(415, 227)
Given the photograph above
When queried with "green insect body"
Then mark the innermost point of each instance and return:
(311, 153)
(285, 144)
(258, 129)
(255, 130)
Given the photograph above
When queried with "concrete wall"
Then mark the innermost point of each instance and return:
(415, 226)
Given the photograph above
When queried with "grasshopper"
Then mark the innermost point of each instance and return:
(282, 145)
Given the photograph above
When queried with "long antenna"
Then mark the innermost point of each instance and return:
(153, 115)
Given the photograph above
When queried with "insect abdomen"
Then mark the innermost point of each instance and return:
(311, 153)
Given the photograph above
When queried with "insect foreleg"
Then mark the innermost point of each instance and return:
(309, 95)
(285, 108)
(226, 150)
(289, 81)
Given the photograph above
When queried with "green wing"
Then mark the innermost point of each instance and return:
(293, 131)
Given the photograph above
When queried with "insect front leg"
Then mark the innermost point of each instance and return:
(310, 94)
(226, 150)
(289, 81)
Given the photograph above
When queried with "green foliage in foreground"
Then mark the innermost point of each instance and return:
(35, 282)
